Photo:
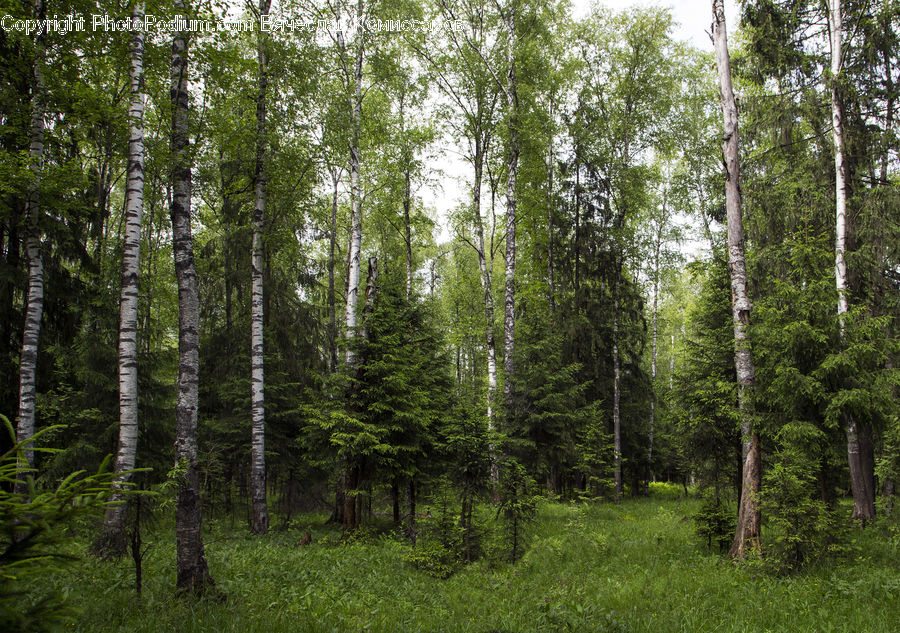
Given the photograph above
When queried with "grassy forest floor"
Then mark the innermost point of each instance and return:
(638, 566)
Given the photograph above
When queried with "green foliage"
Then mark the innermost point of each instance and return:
(34, 541)
(666, 490)
(438, 550)
(715, 522)
(703, 402)
(517, 504)
(595, 451)
(802, 529)
(650, 574)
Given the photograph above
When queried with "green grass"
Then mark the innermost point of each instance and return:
(633, 567)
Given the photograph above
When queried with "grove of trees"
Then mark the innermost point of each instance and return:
(664, 264)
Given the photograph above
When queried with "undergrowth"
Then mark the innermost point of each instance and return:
(633, 567)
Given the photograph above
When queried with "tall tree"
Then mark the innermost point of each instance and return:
(257, 379)
(512, 106)
(128, 302)
(193, 573)
(748, 526)
(861, 481)
(34, 306)
(353, 78)
(464, 78)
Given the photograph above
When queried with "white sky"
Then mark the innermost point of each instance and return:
(693, 19)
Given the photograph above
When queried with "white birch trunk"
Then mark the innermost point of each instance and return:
(748, 527)
(192, 571)
(840, 172)
(332, 245)
(653, 353)
(128, 302)
(485, 267)
(257, 366)
(34, 306)
(860, 480)
(512, 102)
(355, 192)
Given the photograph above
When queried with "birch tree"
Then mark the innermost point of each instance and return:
(128, 302)
(193, 573)
(474, 91)
(861, 483)
(34, 304)
(512, 107)
(748, 526)
(260, 522)
(353, 77)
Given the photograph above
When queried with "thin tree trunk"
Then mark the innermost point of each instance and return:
(617, 390)
(485, 265)
(672, 365)
(411, 501)
(34, 303)
(509, 320)
(352, 497)
(355, 193)
(748, 527)
(653, 353)
(863, 491)
(192, 570)
(550, 210)
(840, 170)
(257, 377)
(407, 201)
(114, 528)
(332, 245)
(371, 281)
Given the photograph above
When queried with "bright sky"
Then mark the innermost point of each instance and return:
(693, 19)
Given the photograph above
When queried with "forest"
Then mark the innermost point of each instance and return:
(446, 315)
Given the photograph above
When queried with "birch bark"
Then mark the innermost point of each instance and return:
(192, 570)
(260, 509)
(34, 303)
(114, 527)
(861, 476)
(512, 103)
(355, 189)
(748, 526)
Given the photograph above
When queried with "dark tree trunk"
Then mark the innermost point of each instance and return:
(192, 571)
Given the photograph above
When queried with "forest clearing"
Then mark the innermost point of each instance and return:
(636, 566)
(441, 315)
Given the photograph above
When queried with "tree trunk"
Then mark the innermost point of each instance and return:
(351, 485)
(653, 353)
(408, 233)
(509, 319)
(617, 389)
(193, 573)
(551, 159)
(411, 501)
(371, 281)
(332, 244)
(863, 492)
(486, 265)
(407, 201)
(355, 193)
(114, 528)
(34, 303)
(748, 527)
(257, 378)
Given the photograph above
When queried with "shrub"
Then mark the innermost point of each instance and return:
(32, 539)
(801, 527)
(715, 522)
